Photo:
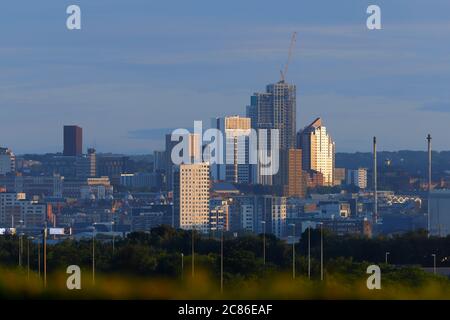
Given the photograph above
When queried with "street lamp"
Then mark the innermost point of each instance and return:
(309, 251)
(386, 257)
(321, 251)
(44, 238)
(434, 263)
(293, 249)
(39, 258)
(221, 260)
(264, 241)
(113, 236)
(193, 252)
(93, 255)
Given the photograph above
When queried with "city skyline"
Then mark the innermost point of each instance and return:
(238, 150)
(161, 69)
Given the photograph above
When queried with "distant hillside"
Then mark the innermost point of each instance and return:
(413, 162)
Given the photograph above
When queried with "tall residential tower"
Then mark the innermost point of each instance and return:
(236, 133)
(275, 109)
(191, 197)
(318, 150)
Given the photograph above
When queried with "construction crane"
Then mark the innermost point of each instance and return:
(291, 50)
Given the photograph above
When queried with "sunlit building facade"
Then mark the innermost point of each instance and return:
(191, 197)
(318, 150)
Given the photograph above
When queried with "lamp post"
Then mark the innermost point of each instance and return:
(39, 258)
(44, 238)
(264, 241)
(386, 257)
(221, 260)
(309, 252)
(321, 251)
(293, 249)
(93, 255)
(193, 253)
(434, 263)
(113, 237)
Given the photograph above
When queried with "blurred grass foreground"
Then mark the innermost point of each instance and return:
(407, 283)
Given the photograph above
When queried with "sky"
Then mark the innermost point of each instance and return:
(139, 68)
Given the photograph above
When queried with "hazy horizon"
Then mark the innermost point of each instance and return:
(151, 152)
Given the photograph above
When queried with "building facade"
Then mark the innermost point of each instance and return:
(235, 151)
(191, 143)
(295, 185)
(7, 161)
(357, 178)
(92, 159)
(439, 210)
(73, 141)
(318, 150)
(275, 109)
(340, 176)
(191, 197)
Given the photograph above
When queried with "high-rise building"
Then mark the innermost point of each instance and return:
(318, 150)
(275, 109)
(7, 161)
(92, 157)
(191, 197)
(295, 182)
(194, 153)
(73, 141)
(357, 178)
(236, 133)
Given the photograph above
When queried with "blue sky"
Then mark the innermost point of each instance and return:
(140, 67)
